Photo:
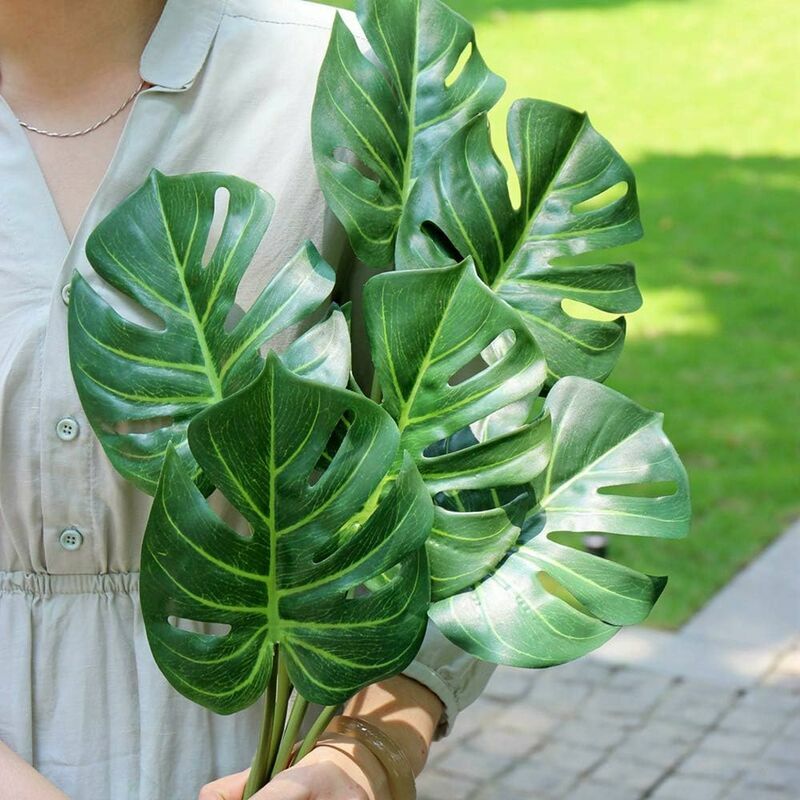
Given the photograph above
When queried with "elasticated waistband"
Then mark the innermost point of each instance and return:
(40, 584)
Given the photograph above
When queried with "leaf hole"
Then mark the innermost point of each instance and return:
(141, 426)
(591, 258)
(129, 309)
(441, 241)
(458, 67)
(346, 156)
(653, 490)
(222, 198)
(493, 352)
(554, 588)
(602, 200)
(196, 626)
(643, 553)
(333, 446)
(594, 544)
(471, 369)
(578, 310)
(499, 346)
(234, 317)
(229, 514)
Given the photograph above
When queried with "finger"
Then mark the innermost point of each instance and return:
(228, 788)
(284, 787)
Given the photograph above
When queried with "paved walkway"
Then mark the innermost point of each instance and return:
(710, 712)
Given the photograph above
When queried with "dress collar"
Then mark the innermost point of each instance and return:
(180, 42)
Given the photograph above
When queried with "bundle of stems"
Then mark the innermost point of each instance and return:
(280, 729)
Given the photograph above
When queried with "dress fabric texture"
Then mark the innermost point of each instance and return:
(81, 697)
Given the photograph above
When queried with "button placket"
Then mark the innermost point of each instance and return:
(65, 450)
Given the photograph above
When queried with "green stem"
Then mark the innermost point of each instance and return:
(284, 691)
(317, 729)
(290, 735)
(258, 769)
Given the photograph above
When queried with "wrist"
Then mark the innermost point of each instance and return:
(398, 775)
(405, 710)
(357, 761)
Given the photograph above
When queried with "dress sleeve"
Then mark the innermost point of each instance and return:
(456, 677)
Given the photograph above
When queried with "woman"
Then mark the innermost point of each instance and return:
(186, 85)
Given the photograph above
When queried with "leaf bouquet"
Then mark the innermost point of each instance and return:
(439, 492)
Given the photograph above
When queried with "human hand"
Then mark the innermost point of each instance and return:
(346, 771)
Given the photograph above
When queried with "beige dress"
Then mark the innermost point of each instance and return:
(80, 695)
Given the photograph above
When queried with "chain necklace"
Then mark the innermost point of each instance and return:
(91, 127)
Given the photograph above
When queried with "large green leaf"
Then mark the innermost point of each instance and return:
(377, 122)
(291, 582)
(612, 470)
(141, 383)
(426, 327)
(425, 353)
(460, 206)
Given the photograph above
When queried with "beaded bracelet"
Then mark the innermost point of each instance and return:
(391, 757)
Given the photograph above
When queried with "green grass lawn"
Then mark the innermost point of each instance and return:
(701, 97)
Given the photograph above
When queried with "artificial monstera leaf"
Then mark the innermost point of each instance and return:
(426, 329)
(391, 113)
(612, 470)
(140, 384)
(291, 583)
(460, 206)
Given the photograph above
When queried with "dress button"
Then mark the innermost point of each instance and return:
(67, 429)
(71, 538)
(65, 290)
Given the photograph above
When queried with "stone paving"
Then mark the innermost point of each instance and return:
(686, 716)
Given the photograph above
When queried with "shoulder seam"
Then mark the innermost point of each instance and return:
(278, 21)
(287, 22)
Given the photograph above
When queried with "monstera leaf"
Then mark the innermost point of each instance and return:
(290, 583)
(141, 382)
(421, 350)
(611, 470)
(460, 206)
(376, 122)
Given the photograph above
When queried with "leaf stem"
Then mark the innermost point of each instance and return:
(282, 695)
(296, 716)
(258, 769)
(317, 729)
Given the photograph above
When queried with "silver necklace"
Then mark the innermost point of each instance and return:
(91, 127)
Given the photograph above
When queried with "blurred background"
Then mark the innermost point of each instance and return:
(702, 98)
